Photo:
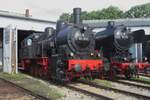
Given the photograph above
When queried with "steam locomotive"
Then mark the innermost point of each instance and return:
(63, 54)
(114, 42)
(146, 53)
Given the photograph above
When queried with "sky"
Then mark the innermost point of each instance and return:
(52, 9)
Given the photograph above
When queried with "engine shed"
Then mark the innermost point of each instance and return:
(134, 24)
(13, 29)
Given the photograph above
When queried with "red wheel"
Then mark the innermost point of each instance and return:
(31, 70)
(36, 71)
(112, 73)
(69, 76)
(40, 72)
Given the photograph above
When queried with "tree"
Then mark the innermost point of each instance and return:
(110, 13)
(141, 11)
(65, 17)
(84, 15)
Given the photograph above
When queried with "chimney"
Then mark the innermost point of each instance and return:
(77, 15)
(27, 13)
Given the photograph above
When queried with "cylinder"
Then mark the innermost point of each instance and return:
(77, 15)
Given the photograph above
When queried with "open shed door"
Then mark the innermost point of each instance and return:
(10, 59)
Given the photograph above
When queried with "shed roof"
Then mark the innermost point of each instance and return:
(20, 21)
(13, 15)
(134, 22)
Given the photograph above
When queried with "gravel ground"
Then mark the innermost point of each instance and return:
(138, 83)
(8, 92)
(73, 95)
(68, 93)
(106, 93)
(133, 89)
(146, 77)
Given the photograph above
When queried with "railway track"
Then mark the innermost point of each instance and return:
(79, 90)
(132, 84)
(87, 92)
(136, 95)
(146, 75)
(134, 80)
(96, 94)
(40, 97)
(140, 81)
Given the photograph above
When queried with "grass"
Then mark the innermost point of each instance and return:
(12, 77)
(142, 79)
(33, 85)
(100, 82)
(103, 82)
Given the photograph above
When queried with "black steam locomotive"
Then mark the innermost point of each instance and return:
(62, 54)
(146, 53)
(114, 40)
(114, 43)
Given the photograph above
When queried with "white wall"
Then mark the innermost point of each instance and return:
(25, 24)
(1, 55)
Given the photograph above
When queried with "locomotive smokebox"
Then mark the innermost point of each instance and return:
(77, 15)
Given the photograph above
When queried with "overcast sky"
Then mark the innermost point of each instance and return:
(51, 9)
